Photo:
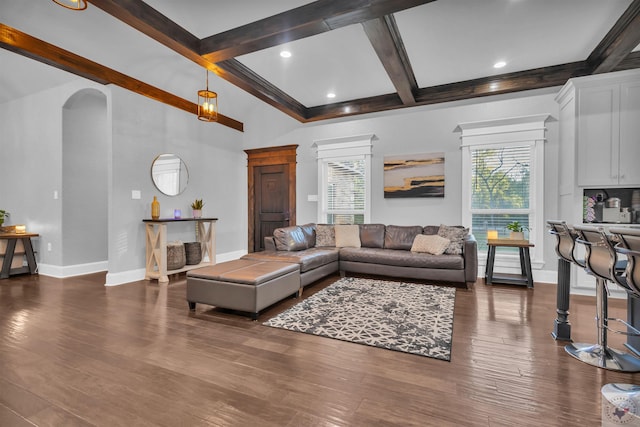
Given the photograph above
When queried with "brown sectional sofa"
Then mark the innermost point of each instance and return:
(384, 250)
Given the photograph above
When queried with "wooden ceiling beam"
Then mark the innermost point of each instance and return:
(495, 85)
(619, 42)
(386, 41)
(304, 21)
(31, 47)
(238, 74)
(371, 104)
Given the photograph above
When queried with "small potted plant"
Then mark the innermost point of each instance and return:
(3, 214)
(517, 230)
(197, 208)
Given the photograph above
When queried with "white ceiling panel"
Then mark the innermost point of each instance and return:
(457, 40)
(341, 61)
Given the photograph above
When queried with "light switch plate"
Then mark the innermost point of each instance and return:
(312, 197)
(135, 194)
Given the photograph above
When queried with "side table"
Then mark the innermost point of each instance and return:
(156, 246)
(526, 278)
(10, 250)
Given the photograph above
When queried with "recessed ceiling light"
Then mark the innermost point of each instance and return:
(499, 64)
(285, 54)
(331, 95)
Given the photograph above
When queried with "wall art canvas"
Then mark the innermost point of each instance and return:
(414, 175)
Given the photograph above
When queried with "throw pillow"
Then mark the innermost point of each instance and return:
(309, 231)
(431, 244)
(456, 235)
(325, 235)
(347, 236)
(289, 239)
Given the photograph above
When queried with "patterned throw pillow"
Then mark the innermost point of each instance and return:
(430, 244)
(325, 235)
(456, 235)
(347, 236)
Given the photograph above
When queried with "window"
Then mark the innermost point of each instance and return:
(500, 189)
(344, 180)
(502, 164)
(345, 195)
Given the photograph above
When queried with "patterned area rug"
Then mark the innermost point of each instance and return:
(408, 317)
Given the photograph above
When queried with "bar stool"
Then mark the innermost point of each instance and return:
(601, 262)
(565, 248)
(629, 245)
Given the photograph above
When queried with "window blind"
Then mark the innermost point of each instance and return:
(500, 189)
(345, 191)
(501, 178)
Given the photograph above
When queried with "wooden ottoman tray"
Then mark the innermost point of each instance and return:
(243, 285)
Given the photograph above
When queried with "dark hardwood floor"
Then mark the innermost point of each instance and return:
(73, 352)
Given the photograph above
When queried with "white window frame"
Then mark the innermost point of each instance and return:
(521, 131)
(344, 148)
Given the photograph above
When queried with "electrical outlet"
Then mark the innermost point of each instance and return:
(135, 194)
(49, 247)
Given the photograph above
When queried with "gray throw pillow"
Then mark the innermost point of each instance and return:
(325, 235)
(456, 235)
(290, 239)
(309, 231)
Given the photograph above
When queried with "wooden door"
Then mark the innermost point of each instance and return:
(271, 192)
(271, 201)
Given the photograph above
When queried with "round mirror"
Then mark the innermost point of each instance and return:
(169, 174)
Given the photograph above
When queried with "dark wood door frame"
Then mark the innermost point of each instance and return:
(269, 156)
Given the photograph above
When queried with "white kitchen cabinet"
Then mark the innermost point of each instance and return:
(603, 123)
(629, 169)
(597, 148)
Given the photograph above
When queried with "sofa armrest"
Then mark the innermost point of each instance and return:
(269, 244)
(470, 254)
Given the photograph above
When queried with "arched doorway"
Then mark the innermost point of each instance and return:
(85, 154)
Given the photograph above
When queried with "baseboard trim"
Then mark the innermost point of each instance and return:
(116, 279)
(124, 277)
(62, 272)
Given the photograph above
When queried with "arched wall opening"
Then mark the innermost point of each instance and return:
(85, 175)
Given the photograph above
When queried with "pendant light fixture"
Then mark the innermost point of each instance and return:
(207, 104)
(72, 4)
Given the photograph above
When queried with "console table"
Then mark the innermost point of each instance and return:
(8, 250)
(156, 257)
(526, 278)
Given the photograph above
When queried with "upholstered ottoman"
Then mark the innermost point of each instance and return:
(243, 285)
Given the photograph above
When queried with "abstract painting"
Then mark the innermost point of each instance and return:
(414, 175)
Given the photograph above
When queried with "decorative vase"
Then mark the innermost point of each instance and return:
(517, 235)
(155, 208)
(197, 213)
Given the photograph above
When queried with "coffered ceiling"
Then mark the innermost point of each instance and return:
(373, 55)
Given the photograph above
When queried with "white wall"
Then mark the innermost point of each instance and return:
(407, 131)
(143, 129)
